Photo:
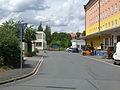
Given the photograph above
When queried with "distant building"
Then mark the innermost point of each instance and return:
(78, 43)
(73, 35)
(40, 42)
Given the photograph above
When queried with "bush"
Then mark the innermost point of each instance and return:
(9, 45)
(1, 61)
(33, 53)
(28, 54)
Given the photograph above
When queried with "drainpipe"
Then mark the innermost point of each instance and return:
(99, 15)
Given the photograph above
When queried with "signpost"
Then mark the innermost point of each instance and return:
(21, 27)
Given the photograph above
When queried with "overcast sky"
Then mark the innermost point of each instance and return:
(61, 15)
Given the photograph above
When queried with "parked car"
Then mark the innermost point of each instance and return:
(75, 50)
(116, 55)
(69, 49)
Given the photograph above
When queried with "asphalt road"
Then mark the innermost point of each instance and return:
(68, 71)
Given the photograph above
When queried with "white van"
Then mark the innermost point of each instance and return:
(116, 55)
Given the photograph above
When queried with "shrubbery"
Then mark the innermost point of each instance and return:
(9, 45)
(1, 61)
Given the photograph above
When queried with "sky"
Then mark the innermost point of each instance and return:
(62, 15)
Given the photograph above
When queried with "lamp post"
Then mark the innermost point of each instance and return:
(21, 27)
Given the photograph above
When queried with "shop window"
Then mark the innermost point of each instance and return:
(106, 42)
(111, 41)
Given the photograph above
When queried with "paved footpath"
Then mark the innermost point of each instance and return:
(29, 65)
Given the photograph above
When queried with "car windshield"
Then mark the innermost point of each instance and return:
(59, 44)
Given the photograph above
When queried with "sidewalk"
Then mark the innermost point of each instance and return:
(101, 58)
(29, 65)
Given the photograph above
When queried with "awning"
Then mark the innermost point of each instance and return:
(108, 31)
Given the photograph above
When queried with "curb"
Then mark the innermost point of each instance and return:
(23, 76)
(101, 61)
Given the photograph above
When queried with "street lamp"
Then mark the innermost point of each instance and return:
(21, 27)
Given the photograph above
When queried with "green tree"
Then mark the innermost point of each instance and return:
(64, 39)
(40, 28)
(30, 35)
(47, 32)
(9, 44)
(84, 33)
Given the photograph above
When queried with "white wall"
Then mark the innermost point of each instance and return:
(77, 42)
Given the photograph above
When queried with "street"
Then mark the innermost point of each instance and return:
(70, 71)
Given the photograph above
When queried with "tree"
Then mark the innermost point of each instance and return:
(30, 35)
(47, 32)
(40, 28)
(61, 39)
(84, 33)
(9, 44)
(78, 35)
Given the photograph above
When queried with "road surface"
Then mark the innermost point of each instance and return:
(69, 71)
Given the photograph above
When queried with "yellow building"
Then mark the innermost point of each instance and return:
(102, 23)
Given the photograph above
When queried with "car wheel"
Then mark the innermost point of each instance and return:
(84, 54)
(114, 63)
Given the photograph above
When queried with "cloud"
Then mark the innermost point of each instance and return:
(21, 9)
(61, 15)
(72, 15)
(22, 5)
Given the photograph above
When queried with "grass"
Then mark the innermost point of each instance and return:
(5, 68)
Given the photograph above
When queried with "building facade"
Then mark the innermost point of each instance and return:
(78, 43)
(40, 42)
(102, 23)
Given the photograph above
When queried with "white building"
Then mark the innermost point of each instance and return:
(40, 42)
(77, 43)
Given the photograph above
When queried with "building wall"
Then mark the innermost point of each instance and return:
(109, 15)
(40, 39)
(97, 40)
(77, 43)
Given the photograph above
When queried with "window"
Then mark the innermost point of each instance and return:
(106, 42)
(106, 25)
(108, 11)
(115, 6)
(39, 44)
(103, 15)
(119, 5)
(109, 24)
(112, 9)
(116, 21)
(119, 21)
(112, 23)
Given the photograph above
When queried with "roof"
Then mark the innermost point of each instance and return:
(89, 3)
(108, 31)
(73, 35)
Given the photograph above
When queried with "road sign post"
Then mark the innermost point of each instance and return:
(21, 27)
